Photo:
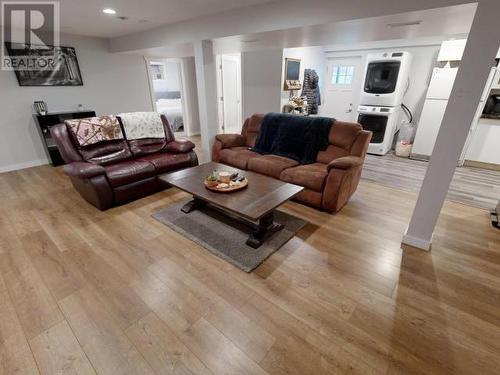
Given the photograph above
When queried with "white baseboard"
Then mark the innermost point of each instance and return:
(419, 243)
(27, 164)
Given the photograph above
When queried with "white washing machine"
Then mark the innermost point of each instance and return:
(386, 78)
(383, 122)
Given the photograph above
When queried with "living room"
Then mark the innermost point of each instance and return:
(158, 225)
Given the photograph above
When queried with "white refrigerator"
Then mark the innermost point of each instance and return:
(435, 103)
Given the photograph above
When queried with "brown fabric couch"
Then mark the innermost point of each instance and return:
(328, 183)
(114, 172)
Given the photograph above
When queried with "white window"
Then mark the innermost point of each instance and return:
(342, 75)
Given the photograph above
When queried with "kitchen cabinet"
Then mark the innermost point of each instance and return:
(484, 146)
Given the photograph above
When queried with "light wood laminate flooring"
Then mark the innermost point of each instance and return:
(115, 292)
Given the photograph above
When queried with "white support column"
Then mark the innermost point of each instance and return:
(207, 94)
(478, 58)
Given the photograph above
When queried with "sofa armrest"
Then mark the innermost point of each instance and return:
(180, 146)
(346, 162)
(231, 140)
(83, 170)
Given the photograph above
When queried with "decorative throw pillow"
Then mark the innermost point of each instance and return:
(139, 125)
(89, 131)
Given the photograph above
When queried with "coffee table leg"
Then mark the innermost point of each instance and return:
(192, 205)
(266, 227)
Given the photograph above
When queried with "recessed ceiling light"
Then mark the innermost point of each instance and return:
(109, 11)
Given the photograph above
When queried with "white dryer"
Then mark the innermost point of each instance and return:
(383, 122)
(386, 78)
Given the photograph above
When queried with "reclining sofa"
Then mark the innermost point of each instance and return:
(119, 169)
(328, 183)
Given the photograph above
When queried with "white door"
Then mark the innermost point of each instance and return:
(231, 93)
(342, 88)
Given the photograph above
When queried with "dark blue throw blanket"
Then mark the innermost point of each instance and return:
(296, 137)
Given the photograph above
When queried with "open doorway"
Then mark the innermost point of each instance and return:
(166, 91)
(229, 93)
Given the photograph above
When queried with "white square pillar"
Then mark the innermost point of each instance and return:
(206, 80)
(478, 58)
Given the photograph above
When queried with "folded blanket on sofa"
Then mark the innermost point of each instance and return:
(139, 125)
(296, 137)
(88, 131)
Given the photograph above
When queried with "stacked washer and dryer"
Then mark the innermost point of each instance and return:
(381, 109)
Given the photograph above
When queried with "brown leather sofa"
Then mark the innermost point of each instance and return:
(114, 172)
(328, 183)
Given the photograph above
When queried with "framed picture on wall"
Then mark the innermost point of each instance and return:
(50, 66)
(292, 74)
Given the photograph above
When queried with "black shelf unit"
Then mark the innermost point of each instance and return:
(44, 123)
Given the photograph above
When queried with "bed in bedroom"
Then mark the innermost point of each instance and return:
(169, 103)
(172, 109)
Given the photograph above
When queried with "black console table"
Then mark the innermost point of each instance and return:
(44, 122)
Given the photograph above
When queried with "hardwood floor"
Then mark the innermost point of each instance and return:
(472, 186)
(116, 292)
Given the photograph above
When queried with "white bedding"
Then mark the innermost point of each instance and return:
(172, 109)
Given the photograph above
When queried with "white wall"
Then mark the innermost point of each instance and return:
(311, 58)
(112, 83)
(423, 60)
(190, 100)
(261, 81)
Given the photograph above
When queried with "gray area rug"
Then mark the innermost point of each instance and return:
(226, 237)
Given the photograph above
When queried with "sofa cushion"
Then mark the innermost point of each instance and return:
(140, 147)
(104, 153)
(150, 145)
(270, 165)
(167, 162)
(311, 176)
(251, 128)
(341, 137)
(129, 171)
(237, 156)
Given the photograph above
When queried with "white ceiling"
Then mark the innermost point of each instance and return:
(442, 22)
(85, 17)
(435, 25)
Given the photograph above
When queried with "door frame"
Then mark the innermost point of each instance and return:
(185, 119)
(220, 88)
(342, 56)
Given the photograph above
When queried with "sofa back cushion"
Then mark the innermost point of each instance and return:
(147, 135)
(342, 137)
(251, 128)
(99, 140)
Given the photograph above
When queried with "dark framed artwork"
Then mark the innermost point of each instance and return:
(49, 66)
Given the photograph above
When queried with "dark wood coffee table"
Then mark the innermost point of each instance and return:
(253, 205)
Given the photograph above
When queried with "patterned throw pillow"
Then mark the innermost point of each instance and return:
(140, 125)
(89, 131)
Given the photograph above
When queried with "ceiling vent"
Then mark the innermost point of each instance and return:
(404, 24)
